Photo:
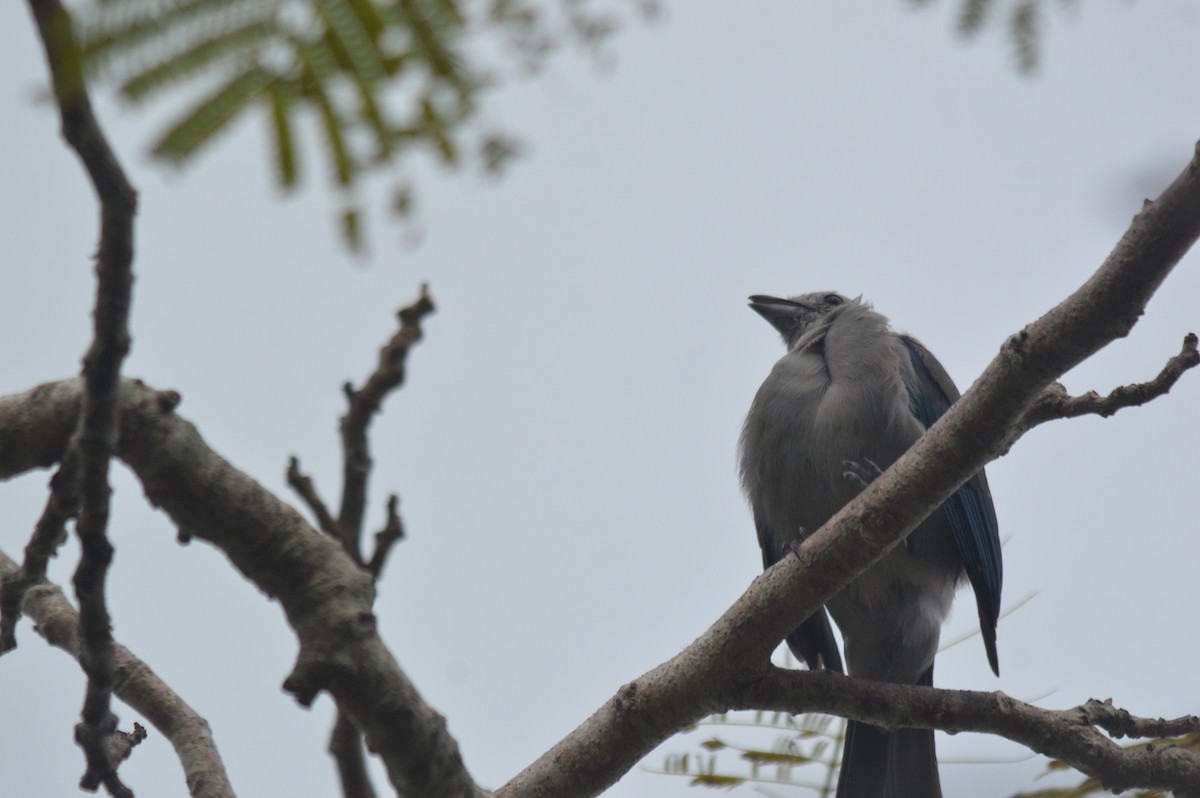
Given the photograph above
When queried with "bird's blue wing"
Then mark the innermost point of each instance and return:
(969, 510)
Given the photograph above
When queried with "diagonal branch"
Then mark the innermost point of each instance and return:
(307, 491)
(97, 432)
(138, 686)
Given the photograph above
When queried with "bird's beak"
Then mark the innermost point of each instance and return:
(781, 313)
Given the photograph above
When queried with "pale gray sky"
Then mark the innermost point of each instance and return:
(565, 445)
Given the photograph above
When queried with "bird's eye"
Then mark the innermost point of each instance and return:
(833, 299)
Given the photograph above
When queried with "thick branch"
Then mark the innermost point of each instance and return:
(97, 431)
(364, 403)
(1069, 735)
(326, 596)
(136, 685)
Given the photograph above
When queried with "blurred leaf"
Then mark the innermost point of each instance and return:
(380, 78)
(212, 115)
(200, 54)
(1025, 26)
(1023, 18)
(352, 229)
(972, 16)
(281, 96)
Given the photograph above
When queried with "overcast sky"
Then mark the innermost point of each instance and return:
(565, 443)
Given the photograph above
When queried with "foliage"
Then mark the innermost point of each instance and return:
(804, 753)
(1024, 19)
(380, 79)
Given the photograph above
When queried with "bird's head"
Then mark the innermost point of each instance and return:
(796, 316)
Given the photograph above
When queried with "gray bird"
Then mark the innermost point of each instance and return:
(849, 396)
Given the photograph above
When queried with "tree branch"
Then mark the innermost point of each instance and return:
(1056, 403)
(135, 684)
(49, 533)
(345, 742)
(364, 403)
(346, 746)
(325, 595)
(1069, 735)
(97, 431)
(391, 534)
(307, 491)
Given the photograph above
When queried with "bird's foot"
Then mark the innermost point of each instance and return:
(793, 546)
(861, 472)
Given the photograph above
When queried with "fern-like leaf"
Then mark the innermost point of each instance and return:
(281, 96)
(350, 36)
(200, 125)
(319, 68)
(123, 28)
(201, 54)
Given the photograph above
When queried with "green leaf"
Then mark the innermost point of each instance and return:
(204, 121)
(348, 31)
(352, 229)
(281, 96)
(319, 67)
(121, 27)
(223, 44)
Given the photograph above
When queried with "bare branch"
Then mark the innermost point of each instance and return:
(49, 533)
(346, 746)
(304, 487)
(1119, 723)
(1056, 403)
(326, 597)
(135, 684)
(1069, 735)
(97, 432)
(346, 742)
(364, 403)
(391, 534)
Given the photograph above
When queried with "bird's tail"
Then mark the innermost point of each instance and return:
(882, 764)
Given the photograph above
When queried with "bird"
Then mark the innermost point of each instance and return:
(847, 399)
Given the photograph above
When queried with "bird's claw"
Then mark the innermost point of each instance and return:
(861, 472)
